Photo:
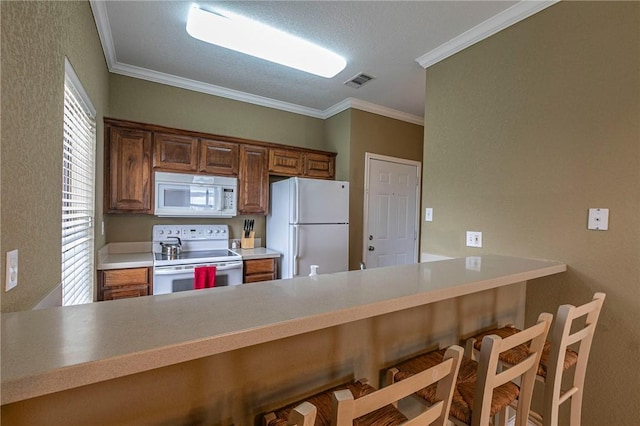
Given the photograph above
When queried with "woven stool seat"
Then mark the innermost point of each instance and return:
(362, 405)
(520, 352)
(482, 389)
(323, 402)
(556, 358)
(463, 394)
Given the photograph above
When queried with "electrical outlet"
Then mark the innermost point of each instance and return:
(598, 219)
(12, 270)
(474, 239)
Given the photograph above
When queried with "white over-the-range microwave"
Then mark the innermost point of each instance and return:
(188, 195)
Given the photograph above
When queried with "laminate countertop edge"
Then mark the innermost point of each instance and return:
(37, 361)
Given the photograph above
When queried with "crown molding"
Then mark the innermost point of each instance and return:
(210, 89)
(504, 19)
(372, 108)
(99, 10)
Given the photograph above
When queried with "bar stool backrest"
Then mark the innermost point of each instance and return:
(346, 408)
(489, 376)
(561, 338)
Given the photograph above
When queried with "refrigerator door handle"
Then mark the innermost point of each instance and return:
(296, 202)
(296, 241)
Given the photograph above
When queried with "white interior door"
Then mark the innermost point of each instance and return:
(391, 211)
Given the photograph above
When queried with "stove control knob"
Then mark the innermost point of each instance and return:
(177, 231)
(209, 231)
(217, 231)
(224, 231)
(161, 232)
(169, 232)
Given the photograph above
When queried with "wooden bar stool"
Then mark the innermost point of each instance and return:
(481, 390)
(557, 358)
(362, 405)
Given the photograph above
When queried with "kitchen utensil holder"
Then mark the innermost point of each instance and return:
(248, 242)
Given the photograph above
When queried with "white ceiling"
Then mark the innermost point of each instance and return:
(392, 40)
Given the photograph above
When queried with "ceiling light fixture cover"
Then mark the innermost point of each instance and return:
(253, 38)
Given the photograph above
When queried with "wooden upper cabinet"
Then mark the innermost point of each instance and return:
(319, 166)
(286, 162)
(253, 191)
(128, 171)
(289, 162)
(175, 152)
(218, 157)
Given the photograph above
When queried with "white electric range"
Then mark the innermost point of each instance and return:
(202, 245)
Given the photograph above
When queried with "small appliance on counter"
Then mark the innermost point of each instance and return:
(309, 224)
(200, 246)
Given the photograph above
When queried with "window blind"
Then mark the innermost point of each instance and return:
(78, 164)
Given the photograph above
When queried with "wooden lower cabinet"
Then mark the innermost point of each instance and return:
(259, 270)
(124, 283)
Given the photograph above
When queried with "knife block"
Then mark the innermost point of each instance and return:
(248, 242)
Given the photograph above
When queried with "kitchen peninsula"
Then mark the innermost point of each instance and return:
(223, 356)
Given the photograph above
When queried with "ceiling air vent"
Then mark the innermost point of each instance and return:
(359, 80)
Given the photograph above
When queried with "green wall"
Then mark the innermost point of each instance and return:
(524, 132)
(36, 37)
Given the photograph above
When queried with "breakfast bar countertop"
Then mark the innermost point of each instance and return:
(54, 349)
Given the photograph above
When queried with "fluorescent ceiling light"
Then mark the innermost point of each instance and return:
(256, 39)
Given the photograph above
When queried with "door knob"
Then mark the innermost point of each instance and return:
(371, 248)
(370, 237)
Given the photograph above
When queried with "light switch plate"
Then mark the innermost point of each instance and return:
(428, 214)
(598, 219)
(12, 269)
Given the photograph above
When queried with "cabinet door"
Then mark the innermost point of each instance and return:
(217, 157)
(253, 193)
(128, 170)
(175, 152)
(285, 162)
(319, 166)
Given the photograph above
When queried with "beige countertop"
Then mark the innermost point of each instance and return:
(50, 350)
(257, 253)
(138, 255)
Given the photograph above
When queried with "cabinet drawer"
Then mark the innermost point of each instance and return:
(258, 266)
(259, 277)
(126, 292)
(126, 277)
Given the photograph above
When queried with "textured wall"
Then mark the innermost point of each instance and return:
(36, 36)
(378, 135)
(524, 132)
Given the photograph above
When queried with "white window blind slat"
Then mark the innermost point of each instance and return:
(78, 165)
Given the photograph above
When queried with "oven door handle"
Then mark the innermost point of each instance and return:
(173, 270)
(227, 266)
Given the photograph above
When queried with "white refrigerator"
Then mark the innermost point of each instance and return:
(308, 223)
